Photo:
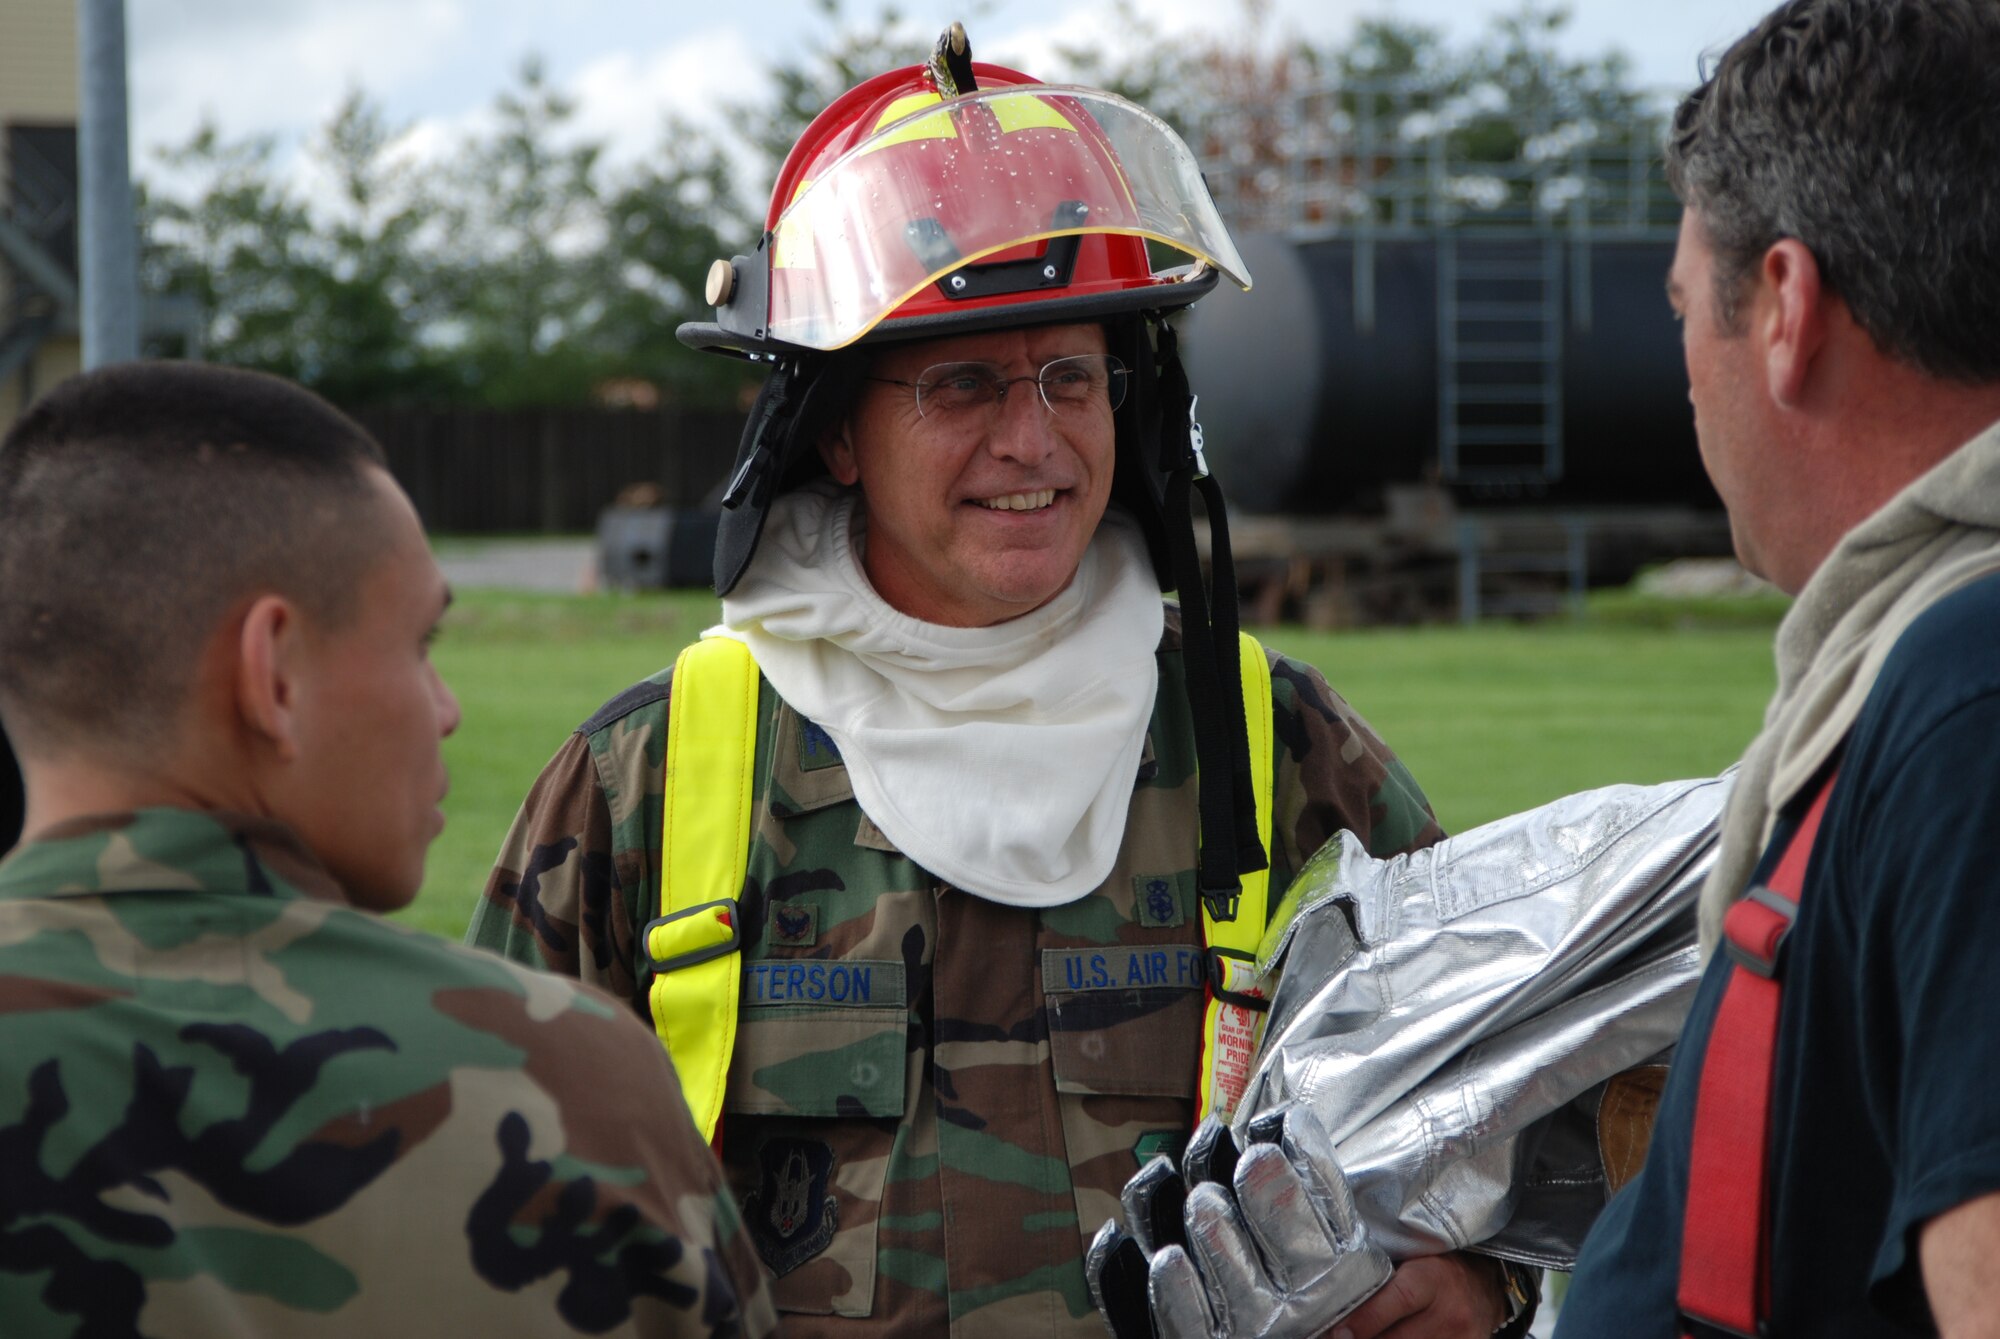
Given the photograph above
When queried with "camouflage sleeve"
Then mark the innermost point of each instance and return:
(709, 1280)
(555, 899)
(1334, 772)
(231, 1104)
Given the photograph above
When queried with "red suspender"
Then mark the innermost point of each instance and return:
(1725, 1238)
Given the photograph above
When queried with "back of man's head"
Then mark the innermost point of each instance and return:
(1869, 130)
(138, 504)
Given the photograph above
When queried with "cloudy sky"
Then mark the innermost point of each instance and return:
(253, 66)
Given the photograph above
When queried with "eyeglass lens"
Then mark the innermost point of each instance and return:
(1083, 379)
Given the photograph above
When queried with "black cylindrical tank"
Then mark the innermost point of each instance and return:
(1311, 408)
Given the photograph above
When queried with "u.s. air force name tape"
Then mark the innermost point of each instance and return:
(864, 983)
(1121, 967)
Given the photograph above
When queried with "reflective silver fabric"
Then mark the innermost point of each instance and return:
(1451, 1017)
(1277, 1254)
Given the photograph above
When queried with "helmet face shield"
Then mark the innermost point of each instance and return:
(978, 200)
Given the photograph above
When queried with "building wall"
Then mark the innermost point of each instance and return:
(38, 61)
(61, 356)
(38, 86)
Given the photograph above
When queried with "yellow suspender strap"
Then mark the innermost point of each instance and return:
(1230, 1031)
(695, 945)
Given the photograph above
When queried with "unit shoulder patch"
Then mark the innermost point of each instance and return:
(792, 1213)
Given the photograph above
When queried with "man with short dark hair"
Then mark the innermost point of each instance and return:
(231, 1100)
(1827, 1155)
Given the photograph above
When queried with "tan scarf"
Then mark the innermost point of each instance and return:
(1000, 759)
(1940, 533)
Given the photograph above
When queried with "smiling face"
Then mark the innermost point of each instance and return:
(372, 715)
(975, 520)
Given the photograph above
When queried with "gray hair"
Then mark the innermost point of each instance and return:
(1869, 130)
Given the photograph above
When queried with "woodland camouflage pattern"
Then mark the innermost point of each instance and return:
(232, 1104)
(934, 1098)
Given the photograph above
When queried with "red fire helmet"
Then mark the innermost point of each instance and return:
(910, 210)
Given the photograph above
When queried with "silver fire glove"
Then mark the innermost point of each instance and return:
(1452, 1016)
(1261, 1243)
(1443, 1028)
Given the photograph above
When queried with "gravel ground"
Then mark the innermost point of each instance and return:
(566, 565)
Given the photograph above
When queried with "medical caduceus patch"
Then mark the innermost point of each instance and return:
(791, 1214)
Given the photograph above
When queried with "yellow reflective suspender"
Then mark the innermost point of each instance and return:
(695, 945)
(1230, 1030)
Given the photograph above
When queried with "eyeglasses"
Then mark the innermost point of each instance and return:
(961, 391)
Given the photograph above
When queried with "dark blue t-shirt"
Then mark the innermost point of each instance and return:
(1886, 1100)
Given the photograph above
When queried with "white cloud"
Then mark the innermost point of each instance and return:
(623, 99)
(275, 69)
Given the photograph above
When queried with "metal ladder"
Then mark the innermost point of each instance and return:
(1499, 360)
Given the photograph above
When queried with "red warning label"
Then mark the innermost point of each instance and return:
(1233, 1045)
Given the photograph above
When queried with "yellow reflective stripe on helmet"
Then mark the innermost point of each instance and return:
(937, 126)
(1025, 111)
(792, 241)
(705, 850)
(1015, 111)
(1230, 1032)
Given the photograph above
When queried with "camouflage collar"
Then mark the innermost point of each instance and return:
(166, 850)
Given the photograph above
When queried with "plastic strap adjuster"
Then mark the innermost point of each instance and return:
(1222, 903)
(1227, 966)
(711, 930)
(1756, 929)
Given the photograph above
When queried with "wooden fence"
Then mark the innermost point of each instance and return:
(474, 471)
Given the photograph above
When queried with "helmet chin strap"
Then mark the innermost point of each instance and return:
(1230, 845)
(772, 437)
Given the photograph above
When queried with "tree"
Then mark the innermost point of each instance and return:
(670, 220)
(336, 303)
(373, 290)
(234, 247)
(847, 54)
(527, 271)
(1289, 132)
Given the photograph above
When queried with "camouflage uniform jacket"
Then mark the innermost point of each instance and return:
(230, 1103)
(934, 1099)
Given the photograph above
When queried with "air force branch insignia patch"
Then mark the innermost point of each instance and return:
(794, 926)
(1154, 900)
(792, 1213)
(816, 748)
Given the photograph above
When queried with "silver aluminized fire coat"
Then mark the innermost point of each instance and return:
(1452, 1016)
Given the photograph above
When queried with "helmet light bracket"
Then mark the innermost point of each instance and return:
(1052, 269)
(745, 310)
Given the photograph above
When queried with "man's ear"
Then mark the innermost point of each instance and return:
(1792, 319)
(836, 448)
(269, 651)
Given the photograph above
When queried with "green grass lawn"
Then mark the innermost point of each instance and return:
(1491, 719)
